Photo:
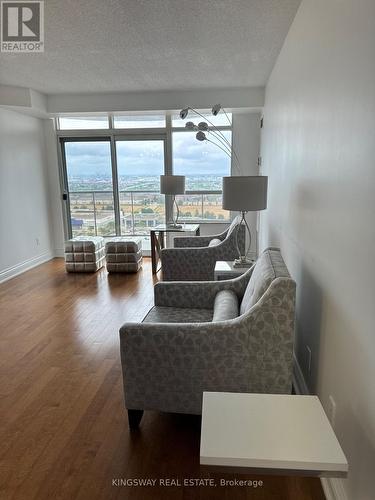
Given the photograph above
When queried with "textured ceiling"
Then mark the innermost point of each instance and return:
(135, 45)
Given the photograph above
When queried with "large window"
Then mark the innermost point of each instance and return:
(139, 165)
(112, 164)
(89, 176)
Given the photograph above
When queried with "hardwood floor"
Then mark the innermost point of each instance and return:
(64, 432)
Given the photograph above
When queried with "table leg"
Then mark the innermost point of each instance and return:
(157, 244)
(159, 247)
(153, 252)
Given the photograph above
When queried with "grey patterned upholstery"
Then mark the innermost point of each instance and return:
(225, 305)
(264, 272)
(167, 366)
(194, 258)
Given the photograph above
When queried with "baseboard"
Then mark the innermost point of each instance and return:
(333, 487)
(59, 252)
(12, 272)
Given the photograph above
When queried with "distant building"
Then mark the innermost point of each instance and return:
(77, 223)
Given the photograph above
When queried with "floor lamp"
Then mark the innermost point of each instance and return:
(172, 185)
(244, 194)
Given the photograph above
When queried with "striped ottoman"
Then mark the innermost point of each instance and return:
(123, 255)
(84, 254)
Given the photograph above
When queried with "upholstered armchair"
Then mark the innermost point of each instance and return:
(194, 258)
(233, 335)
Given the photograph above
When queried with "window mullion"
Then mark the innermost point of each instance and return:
(115, 187)
(168, 166)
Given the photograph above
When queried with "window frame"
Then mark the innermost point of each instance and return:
(113, 134)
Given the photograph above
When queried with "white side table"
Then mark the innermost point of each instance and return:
(269, 433)
(224, 270)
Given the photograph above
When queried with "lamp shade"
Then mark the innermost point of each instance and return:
(245, 193)
(172, 184)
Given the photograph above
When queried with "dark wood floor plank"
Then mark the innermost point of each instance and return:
(64, 431)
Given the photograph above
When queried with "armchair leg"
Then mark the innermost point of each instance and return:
(134, 418)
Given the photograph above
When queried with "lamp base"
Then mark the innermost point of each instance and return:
(243, 262)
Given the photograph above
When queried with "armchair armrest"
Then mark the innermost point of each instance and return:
(168, 366)
(196, 294)
(153, 336)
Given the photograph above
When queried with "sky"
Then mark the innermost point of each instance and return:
(190, 157)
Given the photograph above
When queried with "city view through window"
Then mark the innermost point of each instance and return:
(139, 163)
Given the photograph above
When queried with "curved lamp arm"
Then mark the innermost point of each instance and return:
(215, 131)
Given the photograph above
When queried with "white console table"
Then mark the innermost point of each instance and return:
(267, 433)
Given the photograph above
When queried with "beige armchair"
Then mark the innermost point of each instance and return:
(234, 335)
(194, 258)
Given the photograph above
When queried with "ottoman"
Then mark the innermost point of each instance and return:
(123, 255)
(84, 254)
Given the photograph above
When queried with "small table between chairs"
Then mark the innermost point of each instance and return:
(225, 270)
(157, 235)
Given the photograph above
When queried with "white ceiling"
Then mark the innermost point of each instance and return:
(140, 45)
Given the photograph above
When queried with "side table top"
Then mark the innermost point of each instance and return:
(269, 431)
(171, 229)
(226, 267)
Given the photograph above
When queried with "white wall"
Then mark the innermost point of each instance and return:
(232, 98)
(318, 148)
(24, 204)
(54, 189)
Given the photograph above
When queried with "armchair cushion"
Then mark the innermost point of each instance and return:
(160, 314)
(214, 242)
(226, 306)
